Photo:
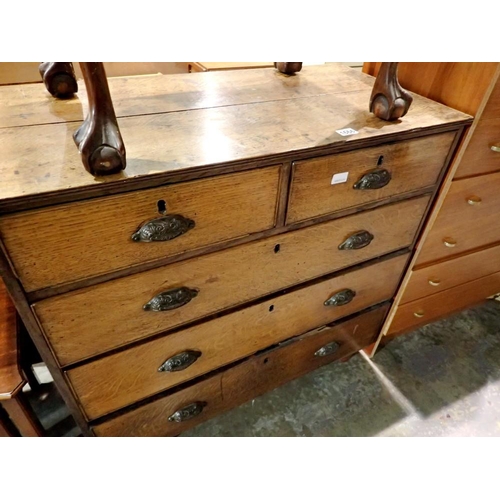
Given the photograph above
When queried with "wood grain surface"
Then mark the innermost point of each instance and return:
(247, 380)
(86, 322)
(126, 377)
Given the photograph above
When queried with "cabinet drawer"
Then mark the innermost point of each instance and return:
(427, 309)
(123, 378)
(91, 238)
(407, 166)
(248, 380)
(479, 158)
(96, 319)
(439, 277)
(468, 219)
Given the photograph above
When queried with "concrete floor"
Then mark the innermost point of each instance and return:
(440, 380)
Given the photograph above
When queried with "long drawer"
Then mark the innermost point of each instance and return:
(448, 274)
(126, 377)
(423, 311)
(96, 319)
(74, 241)
(176, 413)
(468, 219)
(332, 183)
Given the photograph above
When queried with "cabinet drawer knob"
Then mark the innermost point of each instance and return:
(496, 147)
(357, 240)
(418, 314)
(327, 349)
(375, 179)
(341, 298)
(474, 200)
(434, 282)
(180, 361)
(450, 242)
(188, 412)
(171, 299)
(163, 228)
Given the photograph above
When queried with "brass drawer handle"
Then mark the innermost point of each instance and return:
(474, 200)
(188, 412)
(496, 147)
(357, 240)
(341, 298)
(327, 349)
(163, 228)
(450, 242)
(180, 361)
(418, 314)
(434, 282)
(171, 299)
(376, 179)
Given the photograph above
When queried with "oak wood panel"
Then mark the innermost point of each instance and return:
(152, 94)
(223, 208)
(23, 417)
(460, 85)
(98, 318)
(11, 380)
(444, 303)
(160, 146)
(412, 164)
(492, 106)
(451, 273)
(479, 157)
(247, 380)
(126, 377)
(471, 226)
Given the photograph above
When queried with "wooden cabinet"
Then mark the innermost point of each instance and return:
(273, 270)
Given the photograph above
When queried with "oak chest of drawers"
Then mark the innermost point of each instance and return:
(279, 255)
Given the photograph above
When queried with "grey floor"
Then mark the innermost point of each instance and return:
(440, 380)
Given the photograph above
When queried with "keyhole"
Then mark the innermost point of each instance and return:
(277, 248)
(380, 160)
(162, 207)
(266, 360)
(271, 308)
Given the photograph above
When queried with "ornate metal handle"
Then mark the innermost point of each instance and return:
(357, 240)
(163, 228)
(450, 242)
(496, 147)
(327, 349)
(188, 412)
(180, 361)
(474, 200)
(341, 298)
(375, 179)
(171, 299)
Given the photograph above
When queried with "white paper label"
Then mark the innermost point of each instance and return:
(347, 131)
(340, 178)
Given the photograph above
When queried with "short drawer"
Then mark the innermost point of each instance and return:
(99, 318)
(176, 413)
(372, 174)
(468, 219)
(126, 377)
(70, 242)
(419, 312)
(448, 274)
(479, 157)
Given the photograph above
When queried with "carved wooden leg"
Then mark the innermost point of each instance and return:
(59, 78)
(98, 139)
(289, 68)
(389, 101)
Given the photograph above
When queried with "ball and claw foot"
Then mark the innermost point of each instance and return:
(59, 79)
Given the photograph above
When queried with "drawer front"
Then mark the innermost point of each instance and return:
(479, 158)
(91, 238)
(468, 219)
(373, 174)
(96, 319)
(123, 378)
(439, 277)
(423, 311)
(248, 380)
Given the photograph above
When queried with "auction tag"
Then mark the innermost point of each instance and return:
(340, 178)
(347, 131)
